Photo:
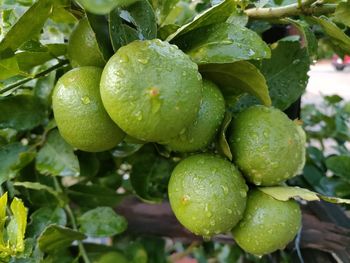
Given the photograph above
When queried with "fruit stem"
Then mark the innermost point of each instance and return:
(60, 64)
(72, 219)
(300, 8)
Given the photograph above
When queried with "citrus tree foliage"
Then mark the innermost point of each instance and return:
(68, 195)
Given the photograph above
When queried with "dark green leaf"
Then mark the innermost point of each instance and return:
(56, 237)
(166, 30)
(342, 13)
(93, 195)
(37, 186)
(120, 34)
(57, 157)
(339, 165)
(286, 73)
(27, 26)
(11, 161)
(223, 43)
(338, 38)
(125, 149)
(237, 78)
(99, 25)
(21, 112)
(216, 14)
(222, 143)
(308, 37)
(44, 87)
(141, 15)
(102, 222)
(43, 217)
(89, 164)
(150, 174)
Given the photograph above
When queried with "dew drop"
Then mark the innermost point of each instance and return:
(243, 193)
(229, 211)
(85, 100)
(143, 61)
(225, 189)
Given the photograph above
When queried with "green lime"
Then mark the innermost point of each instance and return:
(203, 129)
(82, 46)
(207, 194)
(101, 7)
(268, 224)
(112, 257)
(267, 146)
(152, 90)
(79, 113)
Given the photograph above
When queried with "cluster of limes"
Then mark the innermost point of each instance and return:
(153, 92)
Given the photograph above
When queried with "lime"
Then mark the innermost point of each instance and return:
(112, 257)
(79, 113)
(203, 129)
(267, 146)
(82, 46)
(101, 7)
(268, 224)
(151, 89)
(207, 194)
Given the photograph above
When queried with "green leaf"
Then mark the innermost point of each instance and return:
(120, 34)
(61, 15)
(57, 157)
(21, 112)
(338, 38)
(125, 149)
(340, 166)
(214, 15)
(342, 13)
(89, 164)
(56, 238)
(17, 226)
(286, 73)
(103, 7)
(44, 87)
(308, 37)
(237, 78)
(99, 25)
(166, 30)
(8, 68)
(150, 174)
(3, 206)
(93, 195)
(223, 43)
(284, 193)
(102, 222)
(141, 15)
(43, 217)
(11, 161)
(27, 26)
(163, 8)
(222, 143)
(37, 186)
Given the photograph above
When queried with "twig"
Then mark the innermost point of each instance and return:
(60, 64)
(301, 8)
(73, 222)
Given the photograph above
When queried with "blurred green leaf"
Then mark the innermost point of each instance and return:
(286, 73)
(284, 193)
(57, 157)
(17, 226)
(223, 43)
(88, 163)
(3, 206)
(125, 149)
(21, 112)
(163, 8)
(11, 161)
(102, 222)
(90, 196)
(27, 26)
(339, 165)
(342, 13)
(237, 78)
(214, 15)
(43, 217)
(55, 238)
(339, 39)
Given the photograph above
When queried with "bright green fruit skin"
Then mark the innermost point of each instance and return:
(112, 257)
(268, 224)
(82, 46)
(79, 113)
(151, 89)
(267, 146)
(203, 129)
(101, 7)
(207, 194)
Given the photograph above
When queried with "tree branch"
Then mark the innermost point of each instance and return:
(303, 8)
(60, 64)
